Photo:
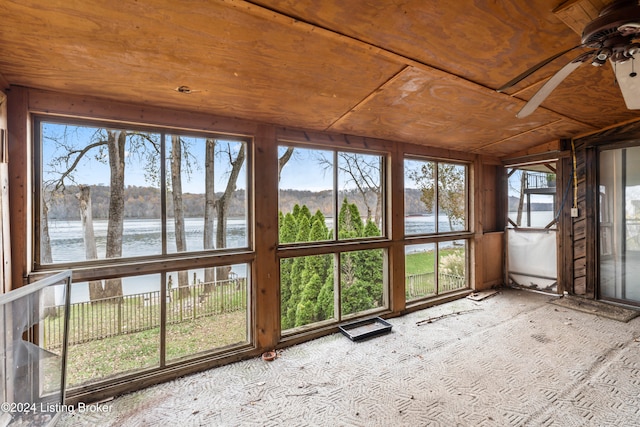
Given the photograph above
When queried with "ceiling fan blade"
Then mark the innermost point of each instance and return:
(552, 83)
(629, 86)
(533, 69)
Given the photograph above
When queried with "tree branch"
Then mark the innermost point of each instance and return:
(85, 150)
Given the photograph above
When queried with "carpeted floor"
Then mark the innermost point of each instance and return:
(509, 360)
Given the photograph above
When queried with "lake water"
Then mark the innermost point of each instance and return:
(141, 237)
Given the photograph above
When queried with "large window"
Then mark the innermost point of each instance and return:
(334, 202)
(123, 201)
(436, 220)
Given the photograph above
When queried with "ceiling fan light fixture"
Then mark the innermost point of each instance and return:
(631, 50)
(603, 54)
(601, 57)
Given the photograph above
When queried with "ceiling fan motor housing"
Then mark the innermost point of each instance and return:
(614, 31)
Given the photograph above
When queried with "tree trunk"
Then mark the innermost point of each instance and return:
(46, 258)
(116, 142)
(45, 249)
(221, 208)
(523, 187)
(378, 214)
(96, 291)
(286, 156)
(178, 209)
(209, 207)
(222, 203)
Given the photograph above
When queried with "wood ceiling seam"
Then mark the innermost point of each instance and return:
(534, 129)
(566, 118)
(366, 99)
(270, 13)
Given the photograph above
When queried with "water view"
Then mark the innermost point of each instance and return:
(143, 237)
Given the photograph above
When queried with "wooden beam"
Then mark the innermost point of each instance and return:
(19, 172)
(52, 103)
(551, 146)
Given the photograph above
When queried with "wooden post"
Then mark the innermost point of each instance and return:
(265, 287)
(19, 171)
(395, 215)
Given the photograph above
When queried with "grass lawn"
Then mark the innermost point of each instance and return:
(419, 262)
(422, 262)
(100, 359)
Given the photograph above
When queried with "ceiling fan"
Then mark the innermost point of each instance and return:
(611, 36)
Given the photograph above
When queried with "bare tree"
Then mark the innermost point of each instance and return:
(46, 258)
(365, 172)
(282, 160)
(443, 187)
(209, 203)
(178, 209)
(45, 238)
(222, 203)
(108, 145)
(523, 187)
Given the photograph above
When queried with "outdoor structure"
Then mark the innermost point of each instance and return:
(224, 178)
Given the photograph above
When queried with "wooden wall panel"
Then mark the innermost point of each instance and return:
(580, 286)
(492, 259)
(5, 229)
(565, 230)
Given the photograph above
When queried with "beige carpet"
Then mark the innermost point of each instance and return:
(510, 360)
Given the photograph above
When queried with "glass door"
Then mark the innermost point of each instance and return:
(619, 225)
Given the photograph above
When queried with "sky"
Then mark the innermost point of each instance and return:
(93, 168)
(304, 171)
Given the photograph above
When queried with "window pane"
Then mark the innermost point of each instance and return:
(100, 193)
(114, 327)
(360, 191)
(619, 224)
(361, 281)
(306, 195)
(452, 197)
(452, 265)
(206, 309)
(306, 290)
(420, 271)
(532, 197)
(419, 197)
(206, 194)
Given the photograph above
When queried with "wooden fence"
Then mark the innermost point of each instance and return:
(109, 317)
(420, 285)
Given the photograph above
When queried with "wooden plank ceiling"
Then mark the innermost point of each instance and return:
(415, 71)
